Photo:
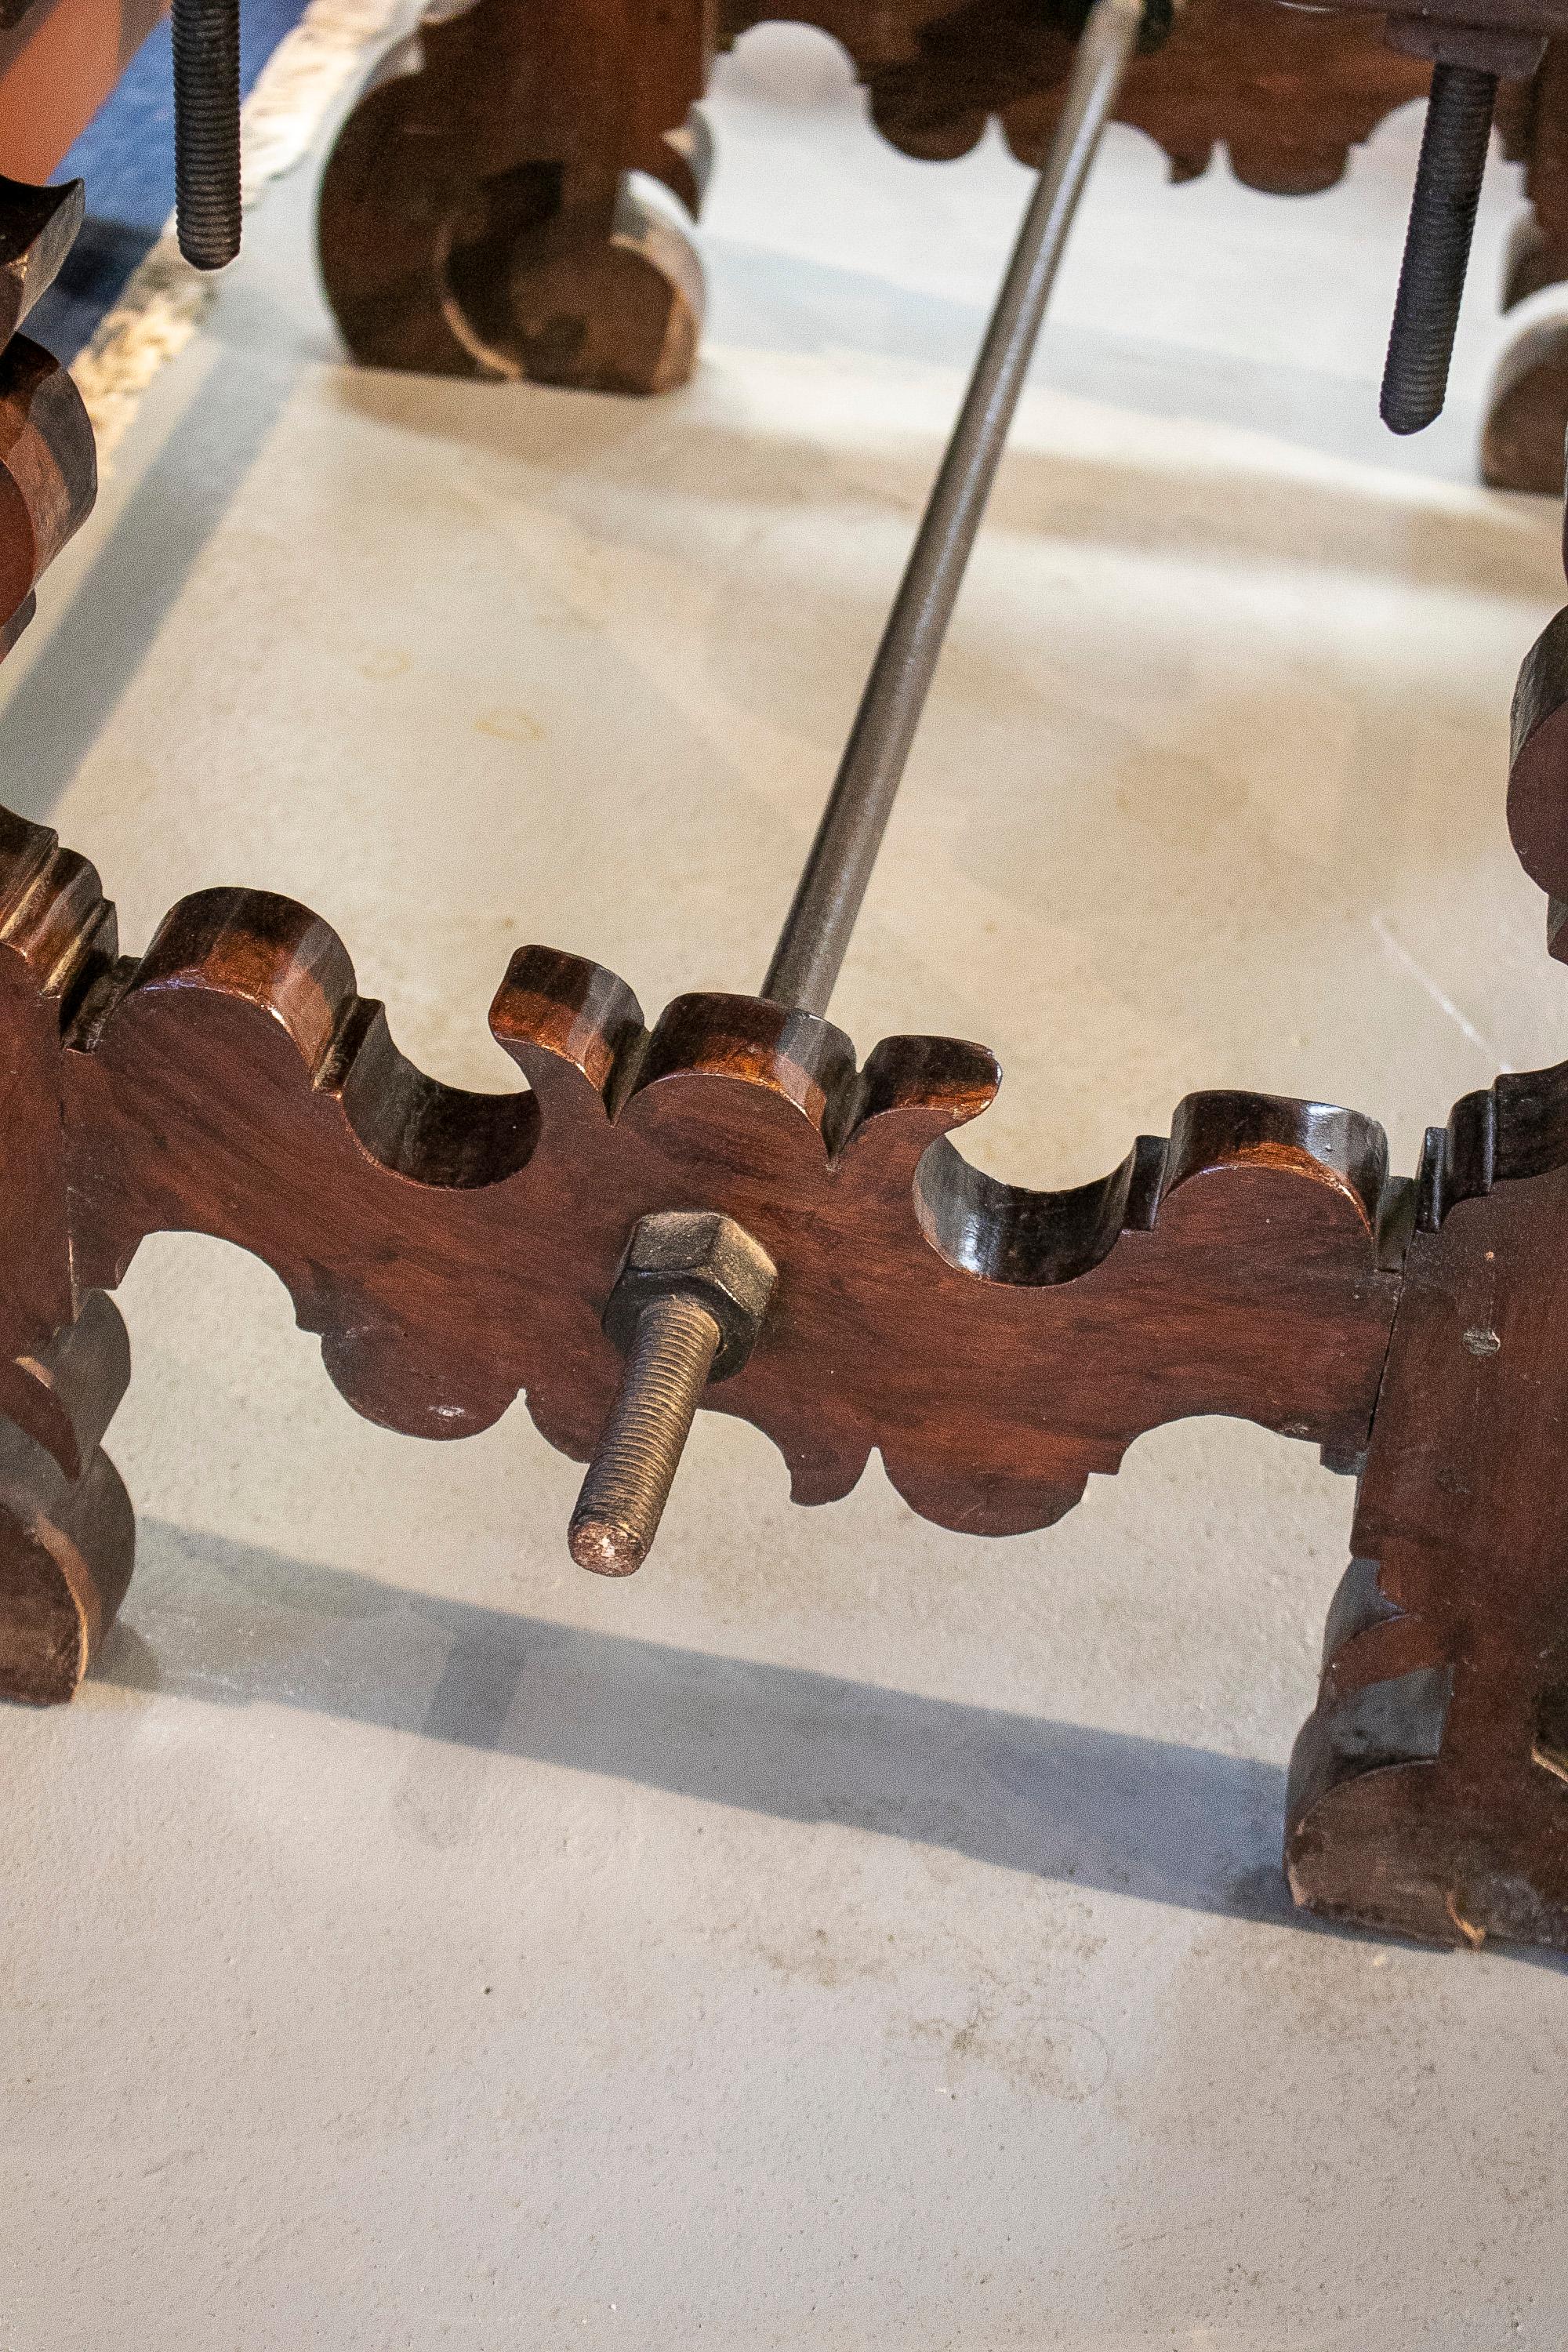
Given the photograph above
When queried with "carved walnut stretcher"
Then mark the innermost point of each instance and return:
(996, 1345)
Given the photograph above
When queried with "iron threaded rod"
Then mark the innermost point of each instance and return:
(206, 130)
(1438, 246)
(635, 1462)
(828, 898)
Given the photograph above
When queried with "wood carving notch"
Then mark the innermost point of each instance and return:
(48, 466)
(37, 228)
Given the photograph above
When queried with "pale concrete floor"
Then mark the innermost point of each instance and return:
(845, 1935)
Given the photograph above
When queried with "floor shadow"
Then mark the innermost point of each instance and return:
(238, 1624)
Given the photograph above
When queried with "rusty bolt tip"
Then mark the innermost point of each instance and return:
(605, 1548)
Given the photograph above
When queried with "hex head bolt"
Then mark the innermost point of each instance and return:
(206, 130)
(686, 1308)
(1438, 246)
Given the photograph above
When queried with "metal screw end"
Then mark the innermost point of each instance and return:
(1438, 246)
(206, 35)
(635, 1463)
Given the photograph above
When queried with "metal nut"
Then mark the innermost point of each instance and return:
(705, 1255)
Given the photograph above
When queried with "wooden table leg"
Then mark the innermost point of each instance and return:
(477, 216)
(1429, 1790)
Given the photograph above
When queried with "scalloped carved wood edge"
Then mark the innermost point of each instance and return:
(48, 475)
(67, 1534)
(1427, 1790)
(1288, 93)
(476, 214)
(451, 1249)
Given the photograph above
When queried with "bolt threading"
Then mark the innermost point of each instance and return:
(206, 130)
(1438, 246)
(635, 1462)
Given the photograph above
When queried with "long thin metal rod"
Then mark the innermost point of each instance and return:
(1438, 246)
(816, 934)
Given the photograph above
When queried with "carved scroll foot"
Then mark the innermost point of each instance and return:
(67, 1532)
(477, 216)
(1522, 446)
(1429, 1790)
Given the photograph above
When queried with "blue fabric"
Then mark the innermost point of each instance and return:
(126, 156)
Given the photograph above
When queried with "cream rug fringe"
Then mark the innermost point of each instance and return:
(163, 301)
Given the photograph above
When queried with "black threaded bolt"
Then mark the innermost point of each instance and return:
(206, 130)
(1438, 246)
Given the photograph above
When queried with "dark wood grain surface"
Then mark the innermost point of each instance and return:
(1287, 93)
(996, 1345)
(477, 217)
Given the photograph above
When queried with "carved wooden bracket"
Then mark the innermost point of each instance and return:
(1287, 92)
(1538, 779)
(478, 215)
(453, 1249)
